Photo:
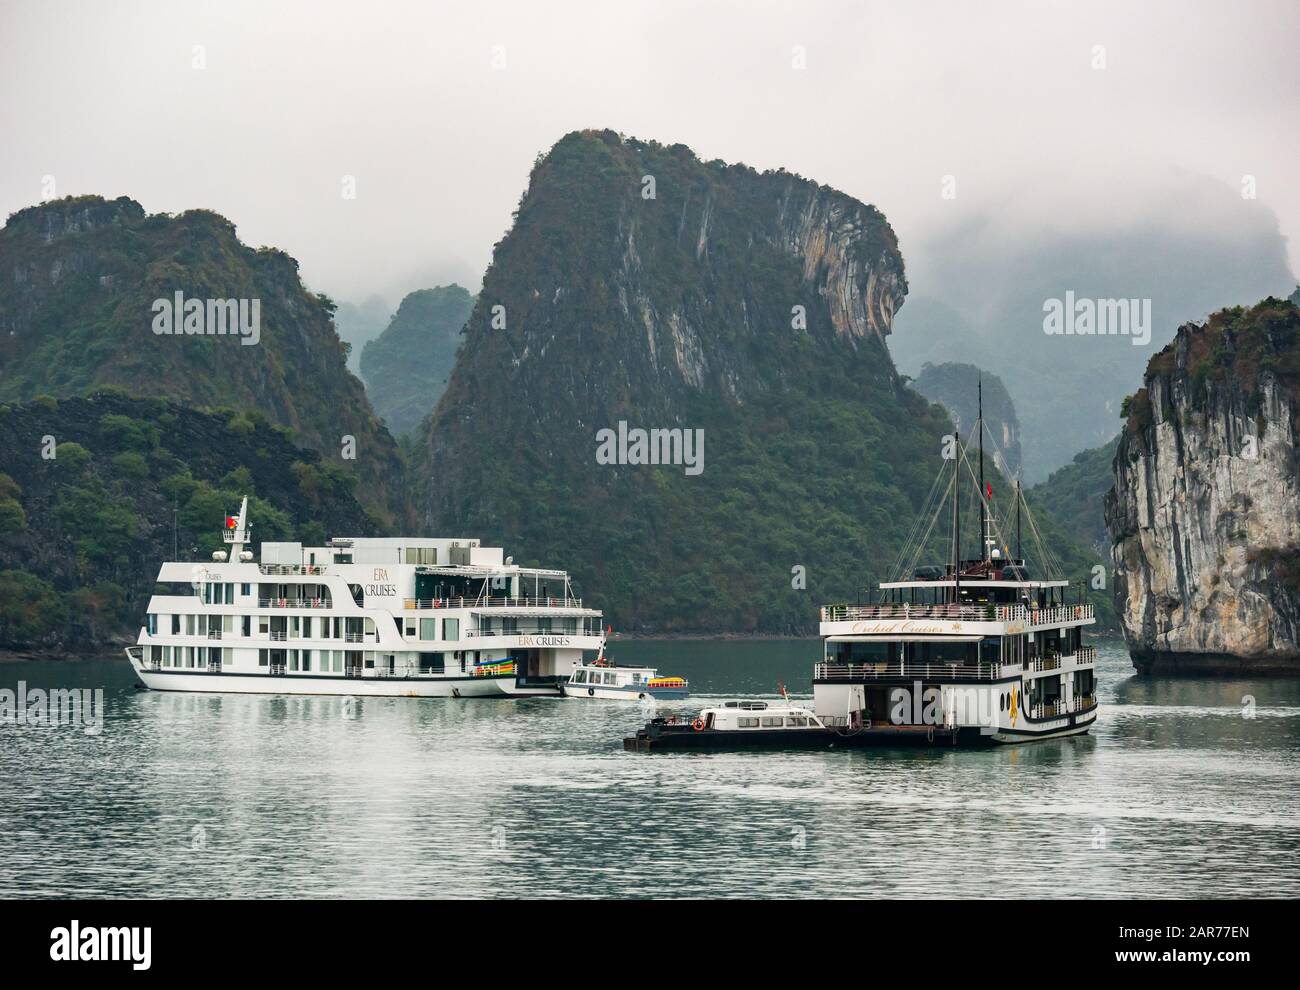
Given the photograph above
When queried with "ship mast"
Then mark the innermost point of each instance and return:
(956, 518)
(984, 535)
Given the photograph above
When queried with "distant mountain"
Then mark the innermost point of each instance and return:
(407, 366)
(82, 533)
(642, 288)
(358, 325)
(955, 386)
(1190, 246)
(1074, 497)
(86, 284)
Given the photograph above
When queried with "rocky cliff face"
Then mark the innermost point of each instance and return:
(81, 280)
(642, 286)
(1205, 513)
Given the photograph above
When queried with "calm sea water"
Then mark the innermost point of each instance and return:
(1175, 793)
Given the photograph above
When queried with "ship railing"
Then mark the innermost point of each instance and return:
(278, 637)
(461, 601)
(292, 568)
(353, 670)
(1047, 710)
(1051, 662)
(214, 666)
(967, 613)
(927, 671)
(906, 610)
(136, 653)
(294, 603)
(214, 634)
(1085, 654)
(1060, 613)
(277, 669)
(354, 637)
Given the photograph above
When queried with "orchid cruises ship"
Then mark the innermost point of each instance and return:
(396, 617)
(977, 651)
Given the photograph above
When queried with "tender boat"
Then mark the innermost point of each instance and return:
(605, 679)
(774, 725)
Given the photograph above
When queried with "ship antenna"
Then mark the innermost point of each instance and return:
(984, 536)
(956, 518)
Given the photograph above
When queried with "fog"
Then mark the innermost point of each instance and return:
(436, 110)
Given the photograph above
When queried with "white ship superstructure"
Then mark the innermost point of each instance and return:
(417, 617)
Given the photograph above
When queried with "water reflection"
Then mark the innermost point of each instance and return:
(1175, 793)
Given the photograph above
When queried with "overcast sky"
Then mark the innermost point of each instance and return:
(283, 100)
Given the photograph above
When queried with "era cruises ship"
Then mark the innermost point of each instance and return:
(364, 616)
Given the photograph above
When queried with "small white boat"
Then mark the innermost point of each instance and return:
(603, 679)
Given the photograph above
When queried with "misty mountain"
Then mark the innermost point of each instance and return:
(1190, 247)
(407, 366)
(359, 324)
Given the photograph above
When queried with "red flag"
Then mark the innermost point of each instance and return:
(231, 522)
(990, 489)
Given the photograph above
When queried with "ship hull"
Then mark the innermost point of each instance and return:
(368, 687)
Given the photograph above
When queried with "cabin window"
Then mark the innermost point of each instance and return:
(570, 626)
(245, 590)
(227, 656)
(451, 629)
(580, 677)
(636, 678)
(152, 624)
(261, 658)
(422, 555)
(543, 625)
(176, 625)
(773, 722)
(410, 629)
(747, 723)
(796, 721)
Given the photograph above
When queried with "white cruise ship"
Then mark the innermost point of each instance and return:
(398, 617)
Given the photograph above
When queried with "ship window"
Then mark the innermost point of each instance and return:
(410, 628)
(773, 722)
(543, 625)
(580, 677)
(428, 628)
(176, 625)
(451, 629)
(796, 721)
(261, 658)
(245, 590)
(152, 624)
(747, 723)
